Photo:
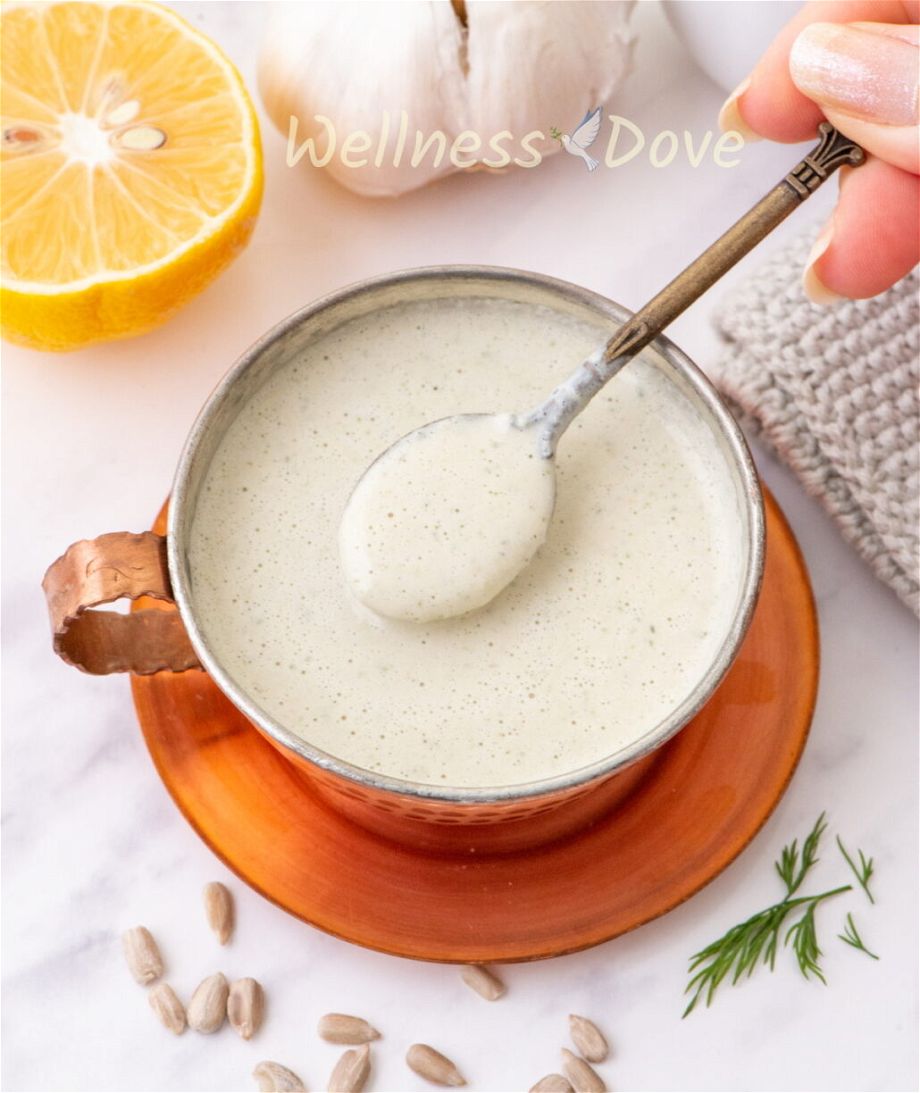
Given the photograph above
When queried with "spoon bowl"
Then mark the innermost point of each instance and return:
(444, 519)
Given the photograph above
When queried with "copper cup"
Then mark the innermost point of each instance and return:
(95, 572)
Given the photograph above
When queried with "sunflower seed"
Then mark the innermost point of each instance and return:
(483, 981)
(351, 1071)
(582, 1075)
(208, 1007)
(433, 1066)
(275, 1078)
(588, 1038)
(342, 1028)
(218, 906)
(166, 1005)
(246, 1007)
(552, 1083)
(142, 954)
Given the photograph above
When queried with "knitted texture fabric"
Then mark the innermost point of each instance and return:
(834, 390)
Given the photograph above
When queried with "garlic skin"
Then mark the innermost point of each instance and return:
(521, 67)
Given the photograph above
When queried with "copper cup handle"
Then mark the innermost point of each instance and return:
(99, 571)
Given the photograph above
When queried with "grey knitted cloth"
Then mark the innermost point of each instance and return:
(835, 391)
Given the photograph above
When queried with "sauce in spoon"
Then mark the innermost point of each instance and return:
(447, 517)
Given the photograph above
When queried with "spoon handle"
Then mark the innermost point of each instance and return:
(570, 398)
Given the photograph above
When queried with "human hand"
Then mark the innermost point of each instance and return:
(854, 62)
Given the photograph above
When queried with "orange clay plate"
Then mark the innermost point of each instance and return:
(701, 802)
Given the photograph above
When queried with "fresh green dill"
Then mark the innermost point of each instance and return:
(756, 940)
(805, 943)
(791, 867)
(863, 873)
(851, 936)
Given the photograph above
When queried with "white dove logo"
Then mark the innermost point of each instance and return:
(583, 137)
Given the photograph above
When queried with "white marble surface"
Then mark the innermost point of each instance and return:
(92, 843)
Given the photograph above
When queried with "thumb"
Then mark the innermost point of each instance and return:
(865, 77)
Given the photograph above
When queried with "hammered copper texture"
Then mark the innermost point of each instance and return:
(98, 571)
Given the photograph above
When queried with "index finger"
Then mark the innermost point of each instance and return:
(768, 103)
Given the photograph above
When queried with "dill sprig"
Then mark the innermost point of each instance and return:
(863, 873)
(791, 868)
(851, 936)
(805, 942)
(756, 940)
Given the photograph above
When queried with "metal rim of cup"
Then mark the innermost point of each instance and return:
(728, 431)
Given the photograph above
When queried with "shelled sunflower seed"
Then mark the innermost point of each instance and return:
(433, 1066)
(552, 1083)
(581, 1074)
(142, 955)
(208, 1007)
(275, 1078)
(351, 1071)
(483, 981)
(588, 1038)
(218, 908)
(246, 1007)
(166, 1005)
(343, 1028)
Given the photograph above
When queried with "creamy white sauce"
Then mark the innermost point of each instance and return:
(602, 635)
(447, 517)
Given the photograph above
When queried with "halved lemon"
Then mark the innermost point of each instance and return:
(130, 169)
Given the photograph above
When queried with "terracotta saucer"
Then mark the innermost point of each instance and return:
(700, 803)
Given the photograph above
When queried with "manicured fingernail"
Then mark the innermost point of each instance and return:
(814, 287)
(869, 76)
(730, 119)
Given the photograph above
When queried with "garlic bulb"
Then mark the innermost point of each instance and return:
(389, 96)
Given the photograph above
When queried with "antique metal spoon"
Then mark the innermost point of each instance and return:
(409, 546)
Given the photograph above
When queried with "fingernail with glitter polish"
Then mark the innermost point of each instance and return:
(730, 119)
(857, 72)
(814, 287)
